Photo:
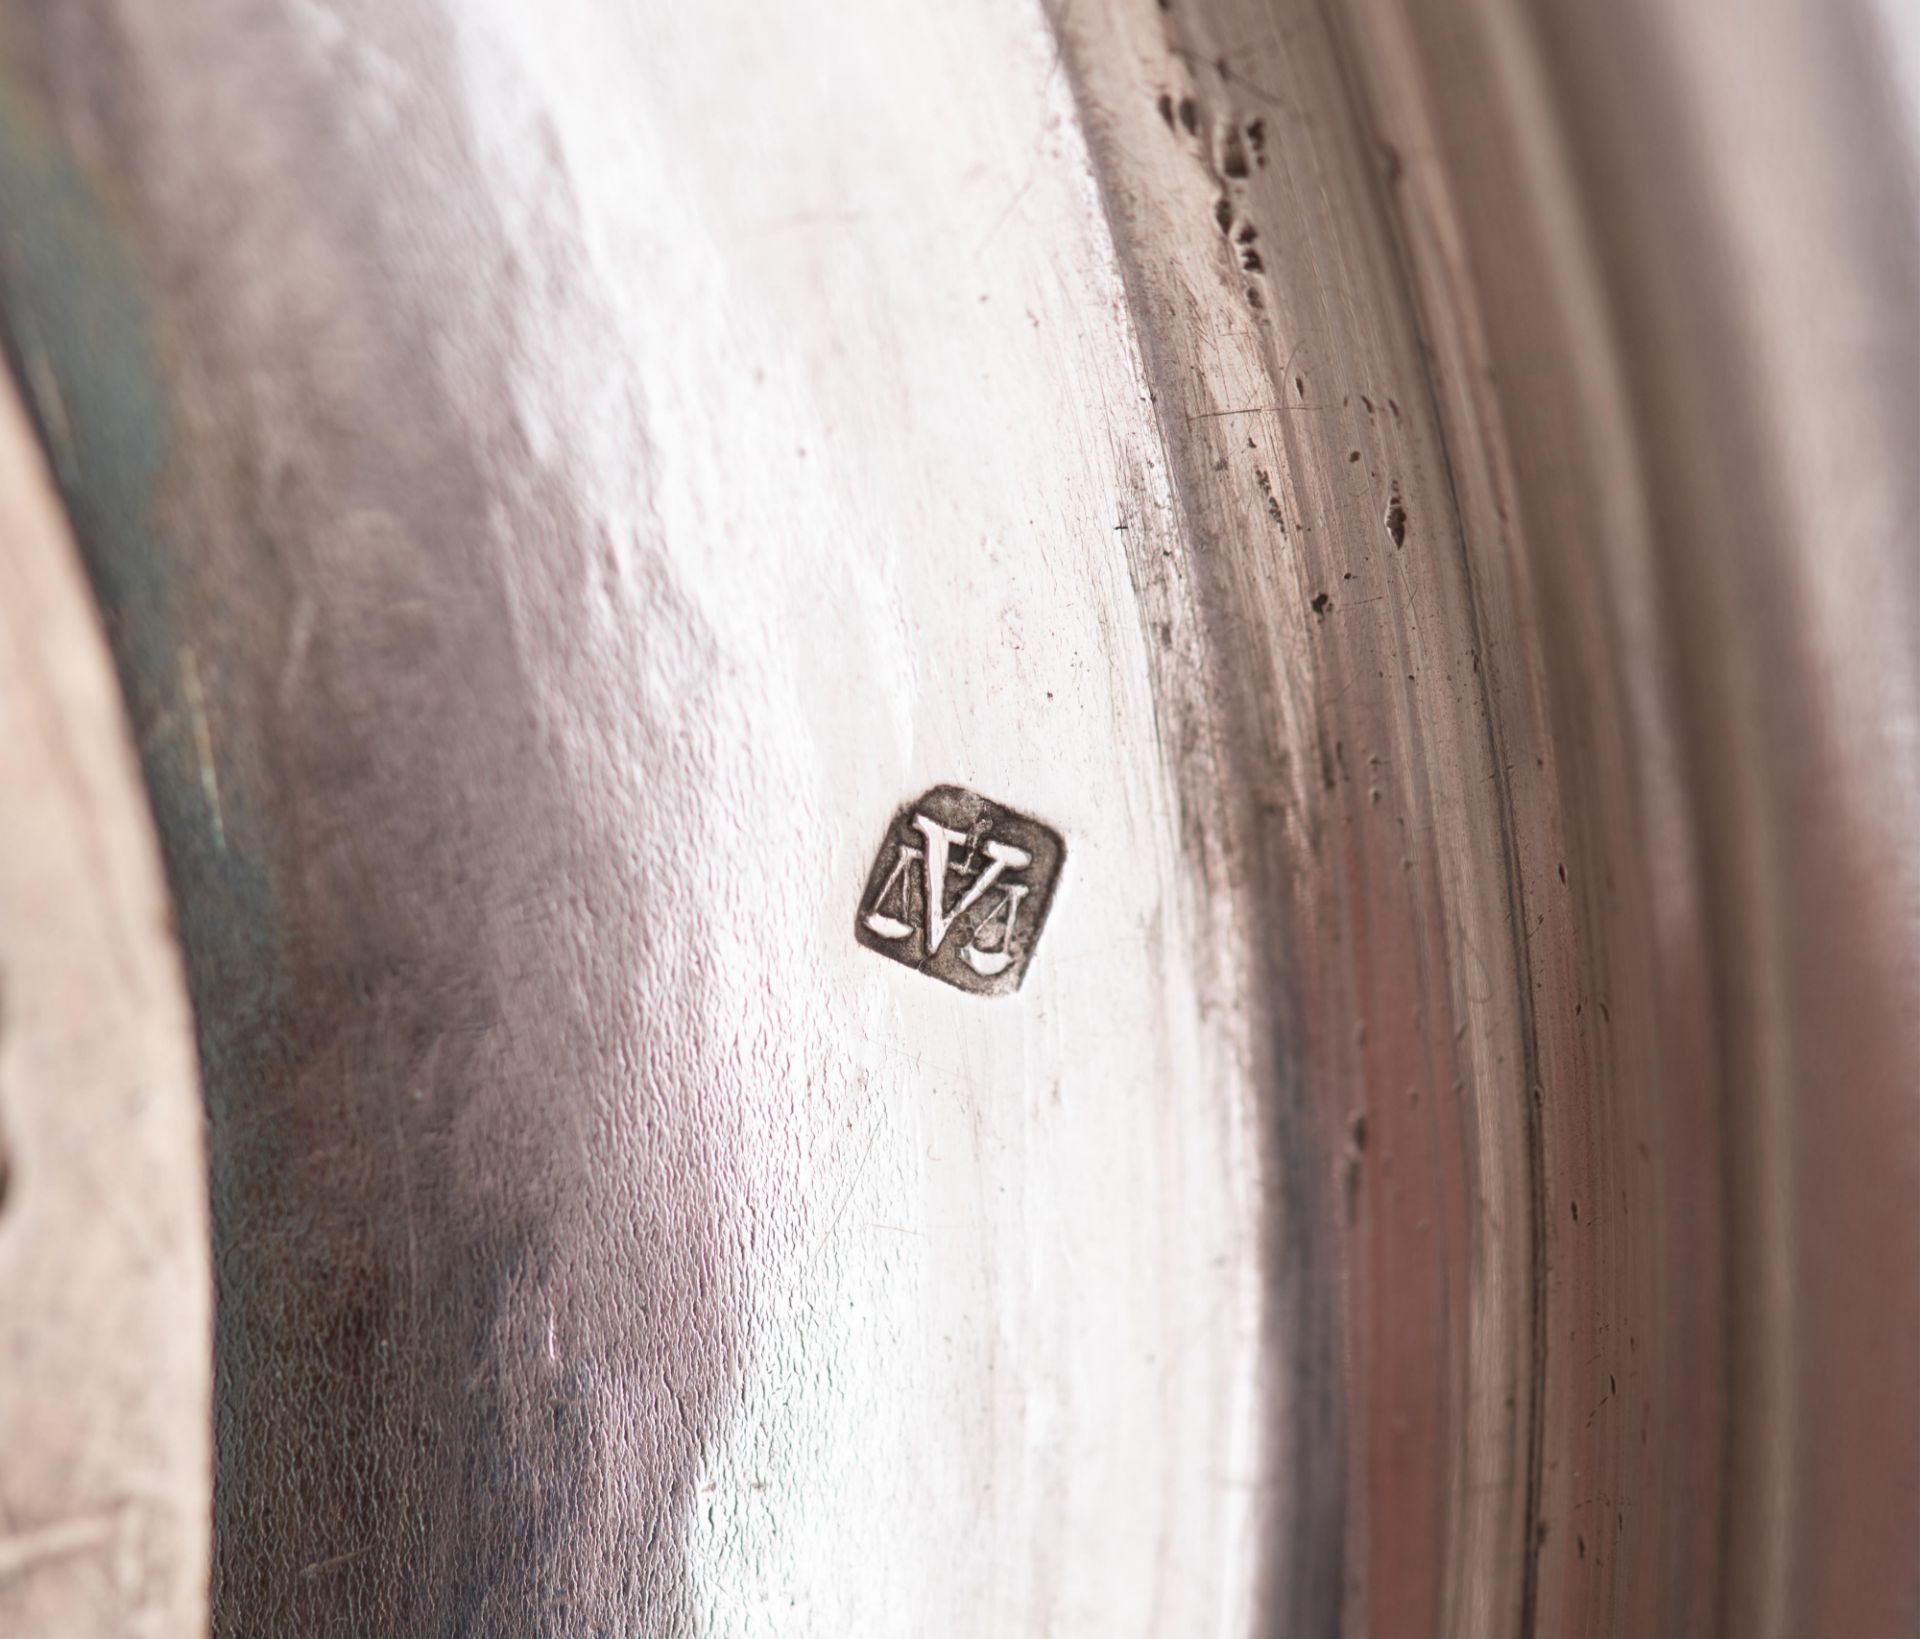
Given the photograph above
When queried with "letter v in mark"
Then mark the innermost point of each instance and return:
(948, 889)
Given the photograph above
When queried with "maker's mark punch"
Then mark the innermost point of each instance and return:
(960, 890)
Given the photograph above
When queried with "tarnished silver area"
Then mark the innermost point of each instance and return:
(960, 890)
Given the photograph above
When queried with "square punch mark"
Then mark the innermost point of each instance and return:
(960, 890)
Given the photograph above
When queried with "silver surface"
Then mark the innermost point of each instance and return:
(1418, 496)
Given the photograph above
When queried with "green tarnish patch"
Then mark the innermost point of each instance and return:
(79, 332)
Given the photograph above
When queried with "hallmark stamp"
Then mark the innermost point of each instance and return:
(960, 890)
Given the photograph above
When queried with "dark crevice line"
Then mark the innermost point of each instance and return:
(1302, 1320)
